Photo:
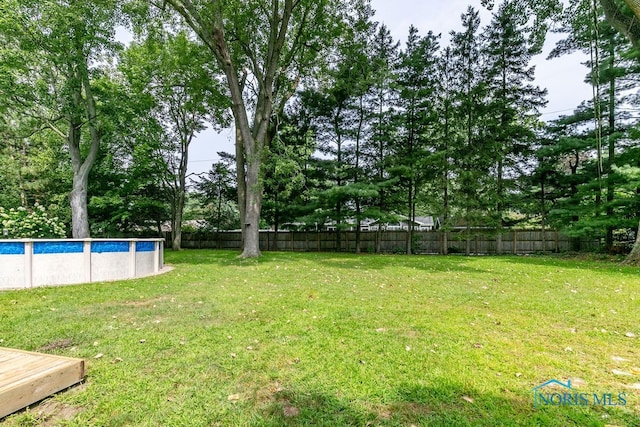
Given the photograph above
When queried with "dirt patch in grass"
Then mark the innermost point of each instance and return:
(52, 413)
(57, 345)
(401, 411)
(144, 303)
(290, 410)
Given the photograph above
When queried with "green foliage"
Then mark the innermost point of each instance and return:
(216, 194)
(126, 185)
(22, 223)
(580, 182)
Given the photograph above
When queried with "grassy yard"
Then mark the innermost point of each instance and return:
(339, 340)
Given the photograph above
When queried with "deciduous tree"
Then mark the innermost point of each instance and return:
(55, 51)
(267, 44)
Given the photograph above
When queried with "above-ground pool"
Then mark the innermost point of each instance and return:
(28, 263)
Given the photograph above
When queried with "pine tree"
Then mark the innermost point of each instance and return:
(384, 57)
(448, 132)
(417, 116)
(513, 103)
(342, 123)
(469, 147)
(595, 207)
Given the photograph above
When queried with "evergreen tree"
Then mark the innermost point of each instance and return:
(470, 149)
(513, 104)
(593, 205)
(448, 132)
(384, 51)
(417, 118)
(216, 194)
(340, 111)
(286, 166)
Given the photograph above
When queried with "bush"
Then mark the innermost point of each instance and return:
(21, 223)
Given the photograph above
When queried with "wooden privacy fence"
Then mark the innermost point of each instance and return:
(423, 242)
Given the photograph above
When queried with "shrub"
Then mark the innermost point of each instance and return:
(21, 223)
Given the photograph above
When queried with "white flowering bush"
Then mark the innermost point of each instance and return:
(21, 223)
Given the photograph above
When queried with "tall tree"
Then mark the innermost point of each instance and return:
(443, 161)
(611, 73)
(285, 178)
(470, 147)
(513, 103)
(177, 73)
(417, 115)
(61, 46)
(341, 110)
(126, 184)
(275, 41)
(384, 57)
(624, 16)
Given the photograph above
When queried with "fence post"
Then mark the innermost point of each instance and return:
(132, 259)
(28, 264)
(87, 260)
(156, 256)
(515, 242)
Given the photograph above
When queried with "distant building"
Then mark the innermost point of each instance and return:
(421, 223)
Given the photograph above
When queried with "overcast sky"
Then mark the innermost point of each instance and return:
(562, 77)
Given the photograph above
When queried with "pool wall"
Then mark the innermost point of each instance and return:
(29, 263)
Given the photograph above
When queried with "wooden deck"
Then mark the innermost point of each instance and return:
(27, 377)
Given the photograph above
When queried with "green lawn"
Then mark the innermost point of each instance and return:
(328, 339)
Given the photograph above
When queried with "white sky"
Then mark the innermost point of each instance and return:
(562, 77)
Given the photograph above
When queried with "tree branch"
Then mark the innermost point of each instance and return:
(629, 26)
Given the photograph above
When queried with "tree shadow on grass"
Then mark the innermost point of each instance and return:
(574, 263)
(444, 405)
(341, 261)
(424, 263)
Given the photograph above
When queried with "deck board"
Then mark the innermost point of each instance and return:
(27, 377)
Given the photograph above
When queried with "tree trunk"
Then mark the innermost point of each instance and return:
(411, 218)
(81, 167)
(611, 145)
(219, 213)
(251, 248)
(176, 243)
(500, 204)
(445, 217)
(78, 202)
(634, 257)
(241, 180)
(276, 224)
(251, 136)
(179, 201)
(543, 216)
(358, 233)
(176, 235)
(445, 243)
(338, 224)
